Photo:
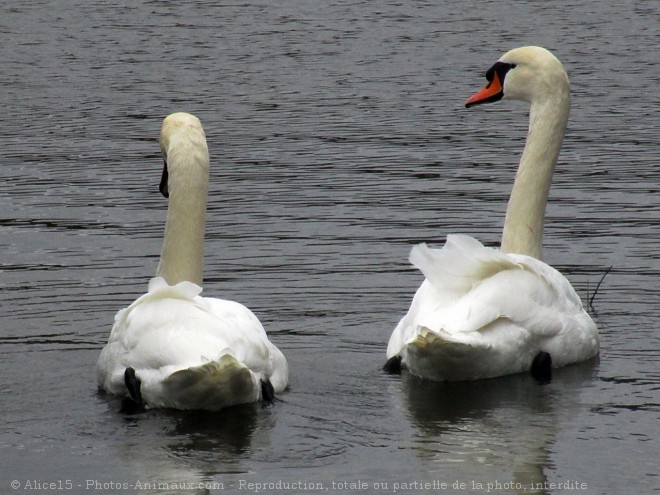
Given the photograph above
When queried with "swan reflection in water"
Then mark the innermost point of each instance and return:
(196, 449)
(499, 429)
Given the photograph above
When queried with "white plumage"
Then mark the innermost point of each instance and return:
(482, 313)
(188, 351)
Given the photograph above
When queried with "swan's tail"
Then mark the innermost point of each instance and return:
(212, 386)
(439, 357)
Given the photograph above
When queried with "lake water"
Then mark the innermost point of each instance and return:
(338, 139)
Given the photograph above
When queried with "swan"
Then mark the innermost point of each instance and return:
(483, 312)
(173, 348)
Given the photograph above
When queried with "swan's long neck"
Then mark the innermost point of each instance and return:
(182, 255)
(525, 214)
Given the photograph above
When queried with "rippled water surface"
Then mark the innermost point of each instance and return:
(338, 139)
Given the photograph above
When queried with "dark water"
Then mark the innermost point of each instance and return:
(338, 139)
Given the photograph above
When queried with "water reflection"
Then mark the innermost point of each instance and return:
(194, 450)
(227, 433)
(499, 430)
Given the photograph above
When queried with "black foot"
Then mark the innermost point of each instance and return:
(393, 365)
(267, 391)
(129, 406)
(542, 367)
(133, 385)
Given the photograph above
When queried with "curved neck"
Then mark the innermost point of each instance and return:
(182, 255)
(525, 214)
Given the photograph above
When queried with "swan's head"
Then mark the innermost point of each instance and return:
(181, 134)
(529, 74)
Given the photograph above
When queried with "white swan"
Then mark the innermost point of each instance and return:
(172, 347)
(483, 312)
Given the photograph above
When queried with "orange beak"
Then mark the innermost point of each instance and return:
(490, 93)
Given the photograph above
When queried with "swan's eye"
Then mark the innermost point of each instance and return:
(501, 69)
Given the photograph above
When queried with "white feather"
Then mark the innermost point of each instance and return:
(493, 319)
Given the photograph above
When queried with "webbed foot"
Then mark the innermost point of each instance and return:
(132, 383)
(267, 391)
(542, 367)
(393, 365)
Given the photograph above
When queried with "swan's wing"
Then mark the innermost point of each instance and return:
(158, 290)
(451, 273)
(460, 264)
(481, 313)
(479, 296)
(251, 345)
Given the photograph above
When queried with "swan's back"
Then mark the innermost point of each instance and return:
(483, 313)
(190, 352)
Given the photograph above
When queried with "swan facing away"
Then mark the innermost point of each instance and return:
(484, 312)
(173, 348)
